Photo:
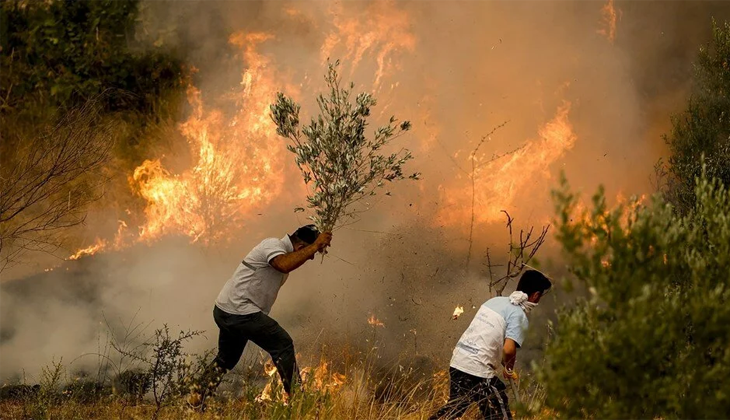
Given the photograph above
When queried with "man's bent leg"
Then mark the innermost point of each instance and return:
(462, 387)
(230, 348)
(494, 403)
(231, 341)
(270, 336)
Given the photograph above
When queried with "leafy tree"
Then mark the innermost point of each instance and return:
(334, 154)
(651, 338)
(63, 52)
(704, 127)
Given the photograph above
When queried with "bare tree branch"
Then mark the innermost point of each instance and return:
(519, 255)
(474, 166)
(48, 180)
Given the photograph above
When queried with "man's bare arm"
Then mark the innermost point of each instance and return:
(510, 353)
(291, 261)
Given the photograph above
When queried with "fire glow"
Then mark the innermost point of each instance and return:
(609, 17)
(318, 378)
(375, 322)
(457, 312)
(237, 160)
(499, 182)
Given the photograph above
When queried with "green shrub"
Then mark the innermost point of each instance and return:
(60, 53)
(651, 337)
(704, 127)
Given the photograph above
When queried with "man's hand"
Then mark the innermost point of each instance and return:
(289, 262)
(508, 356)
(510, 374)
(323, 241)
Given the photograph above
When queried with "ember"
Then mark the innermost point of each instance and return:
(457, 312)
(375, 322)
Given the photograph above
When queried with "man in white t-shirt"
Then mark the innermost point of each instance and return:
(491, 343)
(242, 308)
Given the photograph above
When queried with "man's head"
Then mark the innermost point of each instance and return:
(305, 235)
(534, 284)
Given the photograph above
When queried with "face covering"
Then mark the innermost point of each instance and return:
(520, 299)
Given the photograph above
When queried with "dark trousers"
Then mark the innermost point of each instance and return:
(237, 330)
(465, 389)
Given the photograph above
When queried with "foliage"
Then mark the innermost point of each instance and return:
(704, 127)
(650, 340)
(64, 52)
(47, 395)
(334, 154)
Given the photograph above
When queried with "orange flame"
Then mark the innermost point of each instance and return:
(457, 312)
(375, 322)
(384, 29)
(498, 183)
(269, 368)
(609, 17)
(236, 160)
(319, 378)
(265, 394)
(322, 379)
(89, 250)
(101, 245)
(235, 156)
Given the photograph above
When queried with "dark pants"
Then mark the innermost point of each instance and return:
(465, 389)
(237, 330)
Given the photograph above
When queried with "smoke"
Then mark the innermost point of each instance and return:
(456, 70)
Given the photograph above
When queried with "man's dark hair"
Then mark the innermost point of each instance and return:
(307, 234)
(533, 281)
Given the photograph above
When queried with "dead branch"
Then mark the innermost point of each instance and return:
(519, 254)
(474, 167)
(47, 181)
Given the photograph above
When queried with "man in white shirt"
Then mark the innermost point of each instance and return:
(490, 342)
(242, 308)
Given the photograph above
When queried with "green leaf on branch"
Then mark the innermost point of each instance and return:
(333, 152)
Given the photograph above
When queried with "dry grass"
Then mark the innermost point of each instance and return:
(352, 385)
(359, 396)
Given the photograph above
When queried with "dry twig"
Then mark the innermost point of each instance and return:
(47, 182)
(519, 254)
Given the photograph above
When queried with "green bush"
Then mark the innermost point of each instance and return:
(650, 339)
(60, 53)
(704, 127)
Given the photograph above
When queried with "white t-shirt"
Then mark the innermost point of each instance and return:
(479, 350)
(255, 283)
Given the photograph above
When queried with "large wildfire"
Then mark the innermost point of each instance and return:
(238, 165)
(226, 167)
(238, 162)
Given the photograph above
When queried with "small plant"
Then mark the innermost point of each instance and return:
(333, 153)
(168, 371)
(47, 393)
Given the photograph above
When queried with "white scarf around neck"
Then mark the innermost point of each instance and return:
(520, 299)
